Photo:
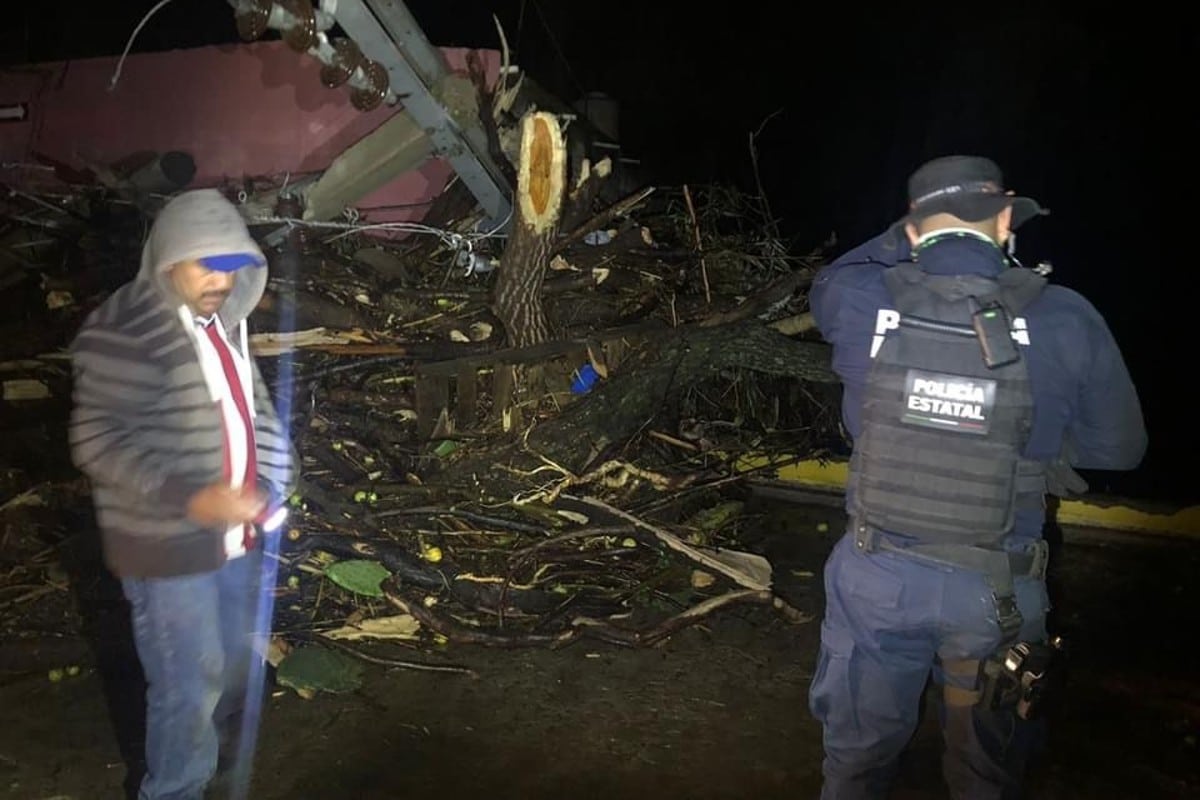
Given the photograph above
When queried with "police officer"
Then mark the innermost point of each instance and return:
(970, 389)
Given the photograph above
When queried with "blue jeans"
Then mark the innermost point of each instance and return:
(194, 639)
(889, 622)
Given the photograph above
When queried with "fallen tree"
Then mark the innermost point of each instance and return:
(530, 453)
(650, 385)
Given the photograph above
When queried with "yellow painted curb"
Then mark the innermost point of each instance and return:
(1099, 513)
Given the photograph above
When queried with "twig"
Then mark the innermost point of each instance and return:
(675, 623)
(499, 522)
(433, 317)
(320, 596)
(41, 590)
(29, 497)
(390, 662)
(37, 558)
(687, 195)
(615, 210)
(518, 558)
(662, 502)
(790, 612)
(20, 587)
(602, 530)
(624, 472)
(773, 295)
(762, 194)
(672, 440)
(790, 326)
(502, 95)
(42, 203)
(675, 543)
(460, 633)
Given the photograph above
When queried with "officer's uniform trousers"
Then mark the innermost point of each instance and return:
(890, 622)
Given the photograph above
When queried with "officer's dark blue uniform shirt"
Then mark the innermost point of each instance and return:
(1083, 395)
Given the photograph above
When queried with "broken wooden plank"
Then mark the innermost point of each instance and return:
(272, 344)
(266, 346)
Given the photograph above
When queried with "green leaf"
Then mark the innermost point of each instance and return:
(445, 448)
(319, 669)
(360, 577)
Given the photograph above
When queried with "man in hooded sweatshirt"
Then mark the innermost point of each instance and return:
(175, 429)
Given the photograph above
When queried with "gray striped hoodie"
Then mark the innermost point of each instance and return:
(144, 427)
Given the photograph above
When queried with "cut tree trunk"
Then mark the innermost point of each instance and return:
(541, 180)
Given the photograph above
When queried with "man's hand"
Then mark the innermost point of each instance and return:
(220, 505)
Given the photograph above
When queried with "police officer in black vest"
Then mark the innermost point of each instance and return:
(971, 389)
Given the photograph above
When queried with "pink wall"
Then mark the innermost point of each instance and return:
(247, 110)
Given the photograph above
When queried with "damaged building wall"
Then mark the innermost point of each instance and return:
(255, 110)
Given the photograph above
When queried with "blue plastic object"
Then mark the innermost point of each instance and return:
(585, 379)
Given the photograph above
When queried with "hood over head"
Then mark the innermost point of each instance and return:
(203, 225)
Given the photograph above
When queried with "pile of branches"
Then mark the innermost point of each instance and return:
(544, 535)
(538, 535)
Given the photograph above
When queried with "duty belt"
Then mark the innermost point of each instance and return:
(998, 566)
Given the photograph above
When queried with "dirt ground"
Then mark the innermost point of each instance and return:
(718, 711)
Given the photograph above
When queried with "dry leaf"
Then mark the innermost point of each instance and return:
(400, 626)
(277, 651)
(59, 299)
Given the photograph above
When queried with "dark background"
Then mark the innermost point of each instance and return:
(1089, 111)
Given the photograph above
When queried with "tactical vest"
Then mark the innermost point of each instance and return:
(939, 454)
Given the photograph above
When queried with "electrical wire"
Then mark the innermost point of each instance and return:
(116, 76)
(557, 48)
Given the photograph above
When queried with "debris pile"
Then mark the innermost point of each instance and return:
(463, 481)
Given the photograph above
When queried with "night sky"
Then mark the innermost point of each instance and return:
(1086, 110)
